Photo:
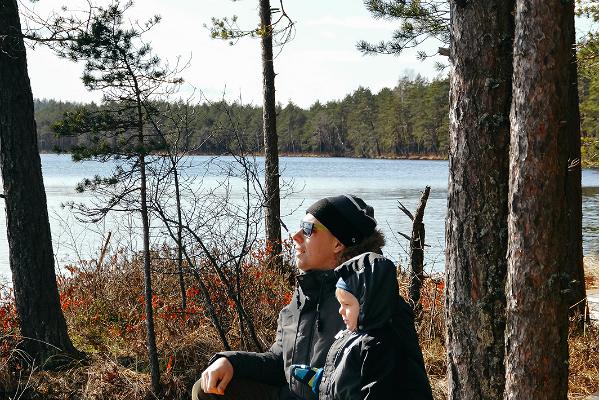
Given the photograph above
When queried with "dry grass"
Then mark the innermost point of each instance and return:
(104, 310)
(590, 267)
(105, 315)
(583, 344)
(583, 362)
(434, 354)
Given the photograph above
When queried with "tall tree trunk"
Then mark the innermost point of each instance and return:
(179, 234)
(150, 335)
(476, 230)
(576, 298)
(29, 239)
(537, 318)
(272, 210)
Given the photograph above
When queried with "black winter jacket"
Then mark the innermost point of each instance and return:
(380, 360)
(362, 366)
(305, 331)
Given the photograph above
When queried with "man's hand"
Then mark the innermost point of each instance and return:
(217, 376)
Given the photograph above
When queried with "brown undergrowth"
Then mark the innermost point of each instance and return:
(590, 267)
(105, 313)
(583, 343)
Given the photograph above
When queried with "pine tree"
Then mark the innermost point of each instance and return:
(538, 273)
(476, 230)
(42, 323)
(123, 68)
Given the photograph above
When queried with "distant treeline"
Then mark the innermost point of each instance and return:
(409, 120)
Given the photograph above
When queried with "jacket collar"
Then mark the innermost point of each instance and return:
(311, 281)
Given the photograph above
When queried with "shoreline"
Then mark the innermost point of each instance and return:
(410, 156)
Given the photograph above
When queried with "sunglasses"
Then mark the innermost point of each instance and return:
(309, 227)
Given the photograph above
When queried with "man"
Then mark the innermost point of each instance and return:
(334, 230)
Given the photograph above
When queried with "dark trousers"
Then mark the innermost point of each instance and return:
(240, 389)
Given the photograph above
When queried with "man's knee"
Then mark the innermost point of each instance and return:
(239, 389)
(197, 393)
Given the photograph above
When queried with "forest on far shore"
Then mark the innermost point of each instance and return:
(409, 120)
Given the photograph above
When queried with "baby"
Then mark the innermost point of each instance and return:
(362, 362)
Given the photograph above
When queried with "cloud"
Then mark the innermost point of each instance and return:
(353, 22)
(321, 63)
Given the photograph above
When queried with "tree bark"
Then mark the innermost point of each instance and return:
(179, 235)
(476, 230)
(577, 295)
(29, 240)
(150, 334)
(148, 293)
(272, 203)
(537, 316)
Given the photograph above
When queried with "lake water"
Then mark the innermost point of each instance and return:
(381, 183)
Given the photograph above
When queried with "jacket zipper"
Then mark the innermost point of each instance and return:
(315, 320)
(312, 330)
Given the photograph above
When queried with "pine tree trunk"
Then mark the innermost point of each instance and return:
(148, 292)
(574, 214)
(272, 206)
(29, 239)
(179, 236)
(537, 317)
(150, 334)
(476, 230)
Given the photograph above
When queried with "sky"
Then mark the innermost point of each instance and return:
(320, 63)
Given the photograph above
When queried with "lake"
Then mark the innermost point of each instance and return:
(381, 183)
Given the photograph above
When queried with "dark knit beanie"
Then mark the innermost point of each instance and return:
(347, 217)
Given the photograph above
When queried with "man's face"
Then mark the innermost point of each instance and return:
(349, 308)
(319, 251)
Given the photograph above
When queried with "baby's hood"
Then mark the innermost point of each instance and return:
(372, 279)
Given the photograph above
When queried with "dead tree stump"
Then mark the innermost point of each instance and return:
(417, 245)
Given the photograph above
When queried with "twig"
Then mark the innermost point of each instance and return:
(405, 211)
